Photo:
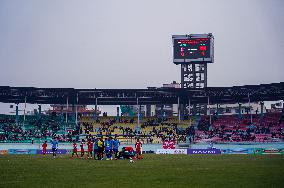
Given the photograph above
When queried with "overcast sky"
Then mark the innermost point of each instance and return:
(127, 43)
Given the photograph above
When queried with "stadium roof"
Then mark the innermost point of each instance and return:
(220, 95)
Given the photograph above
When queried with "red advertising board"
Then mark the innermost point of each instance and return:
(3, 152)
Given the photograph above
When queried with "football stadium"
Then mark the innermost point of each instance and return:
(185, 133)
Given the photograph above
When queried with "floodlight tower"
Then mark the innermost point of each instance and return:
(193, 52)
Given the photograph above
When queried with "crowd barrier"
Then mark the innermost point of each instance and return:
(260, 151)
(203, 151)
(188, 151)
(269, 151)
(49, 151)
(3, 152)
(171, 151)
(38, 151)
(31, 151)
(22, 151)
(238, 151)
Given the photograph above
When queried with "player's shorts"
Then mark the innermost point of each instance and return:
(75, 151)
(95, 150)
(115, 150)
(54, 149)
(90, 150)
(138, 152)
(100, 149)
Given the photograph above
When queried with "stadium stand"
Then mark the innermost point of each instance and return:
(223, 128)
(35, 128)
(231, 128)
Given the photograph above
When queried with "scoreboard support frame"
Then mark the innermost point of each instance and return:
(193, 75)
(193, 71)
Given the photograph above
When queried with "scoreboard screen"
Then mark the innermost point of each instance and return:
(193, 48)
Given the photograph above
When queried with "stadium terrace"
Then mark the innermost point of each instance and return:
(217, 95)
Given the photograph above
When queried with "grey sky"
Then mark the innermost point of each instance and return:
(127, 43)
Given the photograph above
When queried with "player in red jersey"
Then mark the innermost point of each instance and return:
(90, 148)
(75, 151)
(44, 146)
(82, 148)
(138, 147)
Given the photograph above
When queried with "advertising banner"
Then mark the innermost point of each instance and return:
(271, 151)
(258, 150)
(3, 152)
(22, 151)
(171, 151)
(239, 151)
(203, 151)
(49, 151)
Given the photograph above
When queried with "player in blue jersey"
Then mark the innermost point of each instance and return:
(116, 144)
(96, 149)
(54, 146)
(108, 148)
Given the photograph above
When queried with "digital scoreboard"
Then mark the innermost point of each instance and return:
(194, 48)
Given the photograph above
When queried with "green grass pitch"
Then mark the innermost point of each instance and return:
(153, 171)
